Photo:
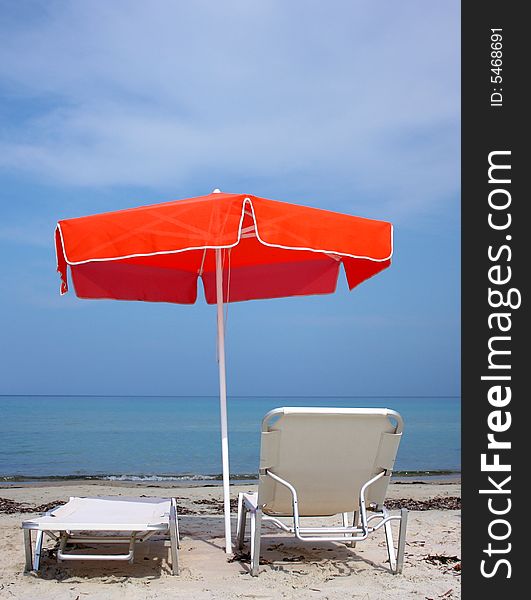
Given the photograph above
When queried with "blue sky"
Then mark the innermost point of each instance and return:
(349, 106)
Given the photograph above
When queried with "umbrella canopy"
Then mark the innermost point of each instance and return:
(241, 246)
(157, 253)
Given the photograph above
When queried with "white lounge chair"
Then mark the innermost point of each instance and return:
(319, 462)
(103, 520)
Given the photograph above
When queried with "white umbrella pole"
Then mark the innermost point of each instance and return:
(223, 401)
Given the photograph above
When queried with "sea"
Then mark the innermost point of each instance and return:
(162, 438)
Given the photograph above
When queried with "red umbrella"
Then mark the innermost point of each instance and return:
(243, 248)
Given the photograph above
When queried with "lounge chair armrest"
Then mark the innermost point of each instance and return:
(364, 487)
(294, 497)
(284, 483)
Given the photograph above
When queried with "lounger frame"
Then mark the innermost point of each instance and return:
(66, 537)
(364, 522)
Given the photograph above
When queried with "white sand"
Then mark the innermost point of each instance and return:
(291, 569)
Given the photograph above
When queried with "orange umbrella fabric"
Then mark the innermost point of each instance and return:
(275, 249)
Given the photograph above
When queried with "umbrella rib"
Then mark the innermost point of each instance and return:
(200, 272)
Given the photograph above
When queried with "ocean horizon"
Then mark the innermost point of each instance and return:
(177, 438)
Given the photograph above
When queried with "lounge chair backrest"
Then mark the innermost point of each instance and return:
(327, 455)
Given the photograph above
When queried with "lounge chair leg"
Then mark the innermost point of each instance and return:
(345, 524)
(401, 540)
(174, 509)
(62, 545)
(355, 519)
(242, 517)
(174, 544)
(132, 548)
(256, 526)
(177, 534)
(38, 551)
(27, 550)
(390, 546)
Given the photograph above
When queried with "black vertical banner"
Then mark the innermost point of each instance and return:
(496, 360)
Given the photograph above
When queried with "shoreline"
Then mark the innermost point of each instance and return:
(202, 479)
(449, 479)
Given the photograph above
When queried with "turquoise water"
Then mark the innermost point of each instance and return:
(178, 437)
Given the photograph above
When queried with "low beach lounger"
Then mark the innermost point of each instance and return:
(103, 520)
(320, 462)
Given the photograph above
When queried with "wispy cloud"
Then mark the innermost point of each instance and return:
(33, 232)
(127, 93)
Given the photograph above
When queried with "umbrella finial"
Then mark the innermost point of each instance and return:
(217, 191)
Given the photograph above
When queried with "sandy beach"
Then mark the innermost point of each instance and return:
(289, 568)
